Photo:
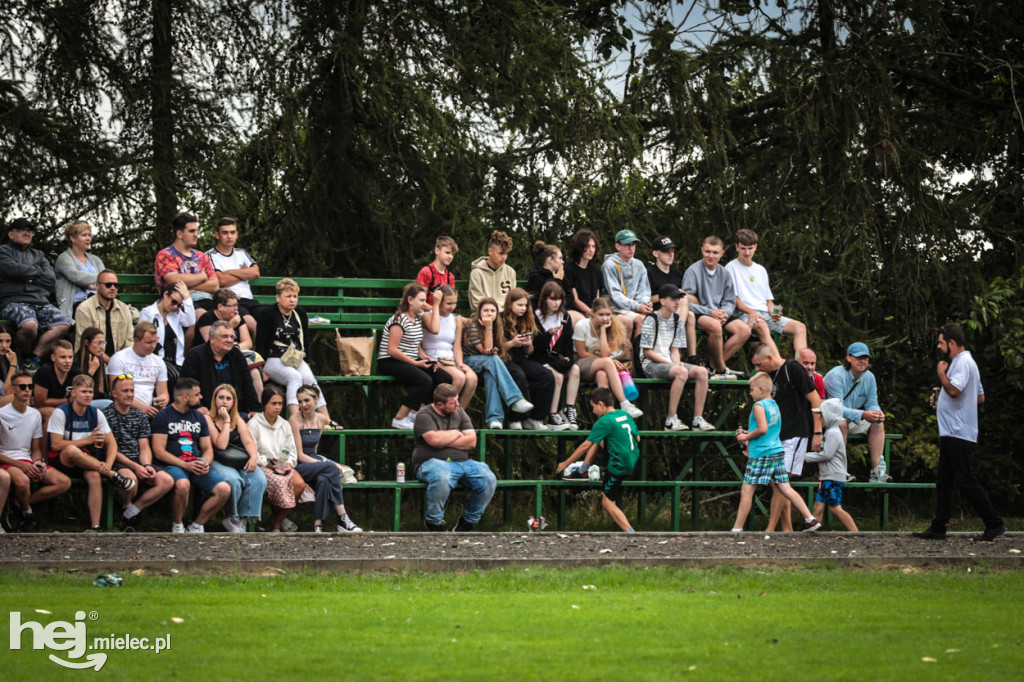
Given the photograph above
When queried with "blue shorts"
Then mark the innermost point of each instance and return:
(206, 482)
(765, 470)
(46, 315)
(830, 493)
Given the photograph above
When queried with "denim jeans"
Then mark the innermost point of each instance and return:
(441, 476)
(246, 490)
(499, 385)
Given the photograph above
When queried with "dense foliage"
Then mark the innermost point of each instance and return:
(876, 145)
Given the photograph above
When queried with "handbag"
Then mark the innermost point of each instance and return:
(292, 356)
(231, 456)
(355, 354)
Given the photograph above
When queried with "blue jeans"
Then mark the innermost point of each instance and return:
(441, 476)
(246, 490)
(499, 386)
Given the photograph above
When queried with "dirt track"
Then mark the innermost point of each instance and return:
(424, 551)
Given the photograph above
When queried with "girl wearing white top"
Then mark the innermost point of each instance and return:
(445, 345)
(172, 313)
(596, 339)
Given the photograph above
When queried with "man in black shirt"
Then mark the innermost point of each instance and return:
(799, 406)
(220, 362)
(660, 273)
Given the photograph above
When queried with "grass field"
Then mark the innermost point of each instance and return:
(633, 624)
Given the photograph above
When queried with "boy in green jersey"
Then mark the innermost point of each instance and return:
(616, 431)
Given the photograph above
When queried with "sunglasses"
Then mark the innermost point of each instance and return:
(25, 229)
(111, 285)
(175, 304)
(120, 377)
(23, 387)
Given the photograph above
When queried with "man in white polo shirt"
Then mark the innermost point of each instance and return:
(148, 371)
(957, 412)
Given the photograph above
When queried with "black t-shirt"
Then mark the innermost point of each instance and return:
(658, 279)
(792, 384)
(55, 390)
(587, 282)
(208, 318)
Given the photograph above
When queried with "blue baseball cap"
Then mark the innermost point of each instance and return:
(858, 350)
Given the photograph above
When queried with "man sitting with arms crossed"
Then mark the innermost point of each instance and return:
(181, 443)
(21, 455)
(134, 458)
(108, 313)
(79, 437)
(712, 296)
(148, 371)
(219, 361)
(854, 384)
(443, 436)
(235, 269)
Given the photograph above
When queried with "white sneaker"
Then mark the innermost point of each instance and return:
(177, 527)
(673, 424)
(515, 426)
(288, 526)
(404, 423)
(234, 524)
(702, 424)
(318, 528)
(634, 411)
(522, 406)
(195, 528)
(494, 426)
(531, 424)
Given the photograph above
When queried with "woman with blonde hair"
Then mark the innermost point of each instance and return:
(282, 339)
(231, 441)
(76, 269)
(598, 340)
(441, 331)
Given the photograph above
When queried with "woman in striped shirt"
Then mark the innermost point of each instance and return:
(401, 356)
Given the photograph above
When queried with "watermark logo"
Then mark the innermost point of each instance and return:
(73, 639)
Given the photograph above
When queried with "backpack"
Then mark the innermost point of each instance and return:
(638, 353)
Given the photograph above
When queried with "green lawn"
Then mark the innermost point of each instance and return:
(540, 624)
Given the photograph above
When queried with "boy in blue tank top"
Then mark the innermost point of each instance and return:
(766, 464)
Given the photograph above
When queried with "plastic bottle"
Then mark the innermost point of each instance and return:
(629, 388)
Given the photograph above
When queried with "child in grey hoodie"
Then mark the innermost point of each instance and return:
(832, 466)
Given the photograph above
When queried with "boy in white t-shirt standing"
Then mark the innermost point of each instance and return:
(755, 302)
(235, 269)
(662, 338)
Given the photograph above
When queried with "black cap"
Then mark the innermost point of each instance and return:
(21, 224)
(670, 291)
(664, 244)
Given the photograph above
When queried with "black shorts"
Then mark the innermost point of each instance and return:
(613, 486)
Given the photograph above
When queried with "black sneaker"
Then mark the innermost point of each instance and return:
(94, 529)
(129, 525)
(570, 417)
(435, 527)
(27, 523)
(346, 525)
(556, 422)
(810, 526)
(990, 534)
(930, 534)
(463, 526)
(122, 482)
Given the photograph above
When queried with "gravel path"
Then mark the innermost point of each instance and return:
(447, 551)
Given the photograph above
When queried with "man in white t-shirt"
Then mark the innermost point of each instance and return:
(148, 371)
(662, 339)
(235, 269)
(21, 455)
(755, 303)
(79, 437)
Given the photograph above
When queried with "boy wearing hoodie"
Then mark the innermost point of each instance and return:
(625, 280)
(831, 466)
(490, 275)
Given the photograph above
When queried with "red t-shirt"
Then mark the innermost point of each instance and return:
(431, 278)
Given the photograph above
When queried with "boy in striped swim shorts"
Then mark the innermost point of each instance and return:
(766, 465)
